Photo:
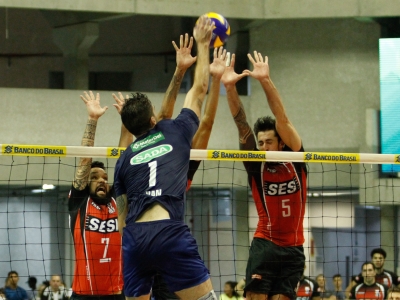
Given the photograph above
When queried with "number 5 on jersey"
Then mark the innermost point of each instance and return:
(286, 208)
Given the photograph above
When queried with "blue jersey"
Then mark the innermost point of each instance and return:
(154, 168)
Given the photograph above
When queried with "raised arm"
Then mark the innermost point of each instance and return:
(202, 34)
(229, 80)
(184, 60)
(95, 111)
(122, 207)
(217, 68)
(126, 138)
(285, 128)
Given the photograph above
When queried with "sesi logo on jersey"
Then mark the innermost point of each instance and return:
(99, 225)
(281, 188)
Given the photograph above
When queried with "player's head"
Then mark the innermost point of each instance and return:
(393, 293)
(368, 272)
(337, 281)
(267, 137)
(321, 281)
(138, 115)
(98, 181)
(378, 256)
(12, 278)
(229, 289)
(55, 282)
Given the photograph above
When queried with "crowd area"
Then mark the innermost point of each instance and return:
(373, 282)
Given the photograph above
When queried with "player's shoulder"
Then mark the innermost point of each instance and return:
(380, 286)
(390, 273)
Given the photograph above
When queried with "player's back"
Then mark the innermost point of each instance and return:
(154, 168)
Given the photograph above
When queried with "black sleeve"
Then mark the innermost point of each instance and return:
(250, 145)
(193, 166)
(76, 197)
(395, 278)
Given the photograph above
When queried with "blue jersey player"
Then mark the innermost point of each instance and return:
(150, 183)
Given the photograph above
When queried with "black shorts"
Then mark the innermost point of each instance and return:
(273, 269)
(97, 297)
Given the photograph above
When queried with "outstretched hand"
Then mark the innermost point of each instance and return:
(184, 59)
(120, 101)
(230, 77)
(94, 109)
(260, 66)
(202, 32)
(217, 68)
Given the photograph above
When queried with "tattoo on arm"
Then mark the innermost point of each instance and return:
(83, 171)
(121, 204)
(82, 174)
(170, 96)
(88, 135)
(175, 86)
(242, 125)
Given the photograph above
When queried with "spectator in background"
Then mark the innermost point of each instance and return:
(12, 290)
(337, 286)
(323, 293)
(42, 287)
(307, 289)
(369, 289)
(2, 295)
(393, 293)
(230, 292)
(32, 293)
(384, 277)
(55, 291)
(240, 286)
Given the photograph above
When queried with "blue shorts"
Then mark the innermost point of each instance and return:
(165, 247)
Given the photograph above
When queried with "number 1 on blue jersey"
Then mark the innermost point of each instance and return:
(153, 173)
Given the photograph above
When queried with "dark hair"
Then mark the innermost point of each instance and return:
(264, 124)
(98, 164)
(136, 114)
(336, 275)
(12, 272)
(233, 284)
(367, 263)
(393, 289)
(379, 251)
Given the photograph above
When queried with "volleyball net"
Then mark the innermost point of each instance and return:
(352, 208)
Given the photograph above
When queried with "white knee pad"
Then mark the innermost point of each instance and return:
(209, 296)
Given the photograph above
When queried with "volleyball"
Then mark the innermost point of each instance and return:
(221, 30)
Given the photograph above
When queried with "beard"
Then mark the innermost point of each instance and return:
(101, 200)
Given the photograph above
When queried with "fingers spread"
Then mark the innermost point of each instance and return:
(175, 46)
(251, 58)
(191, 43)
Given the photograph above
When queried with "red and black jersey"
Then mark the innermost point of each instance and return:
(362, 291)
(307, 289)
(97, 243)
(386, 278)
(279, 192)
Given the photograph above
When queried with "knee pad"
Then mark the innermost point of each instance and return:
(209, 296)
